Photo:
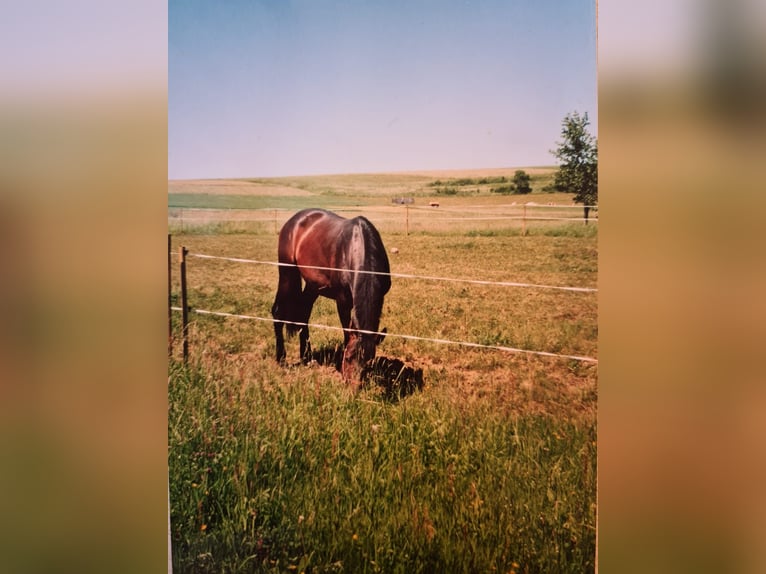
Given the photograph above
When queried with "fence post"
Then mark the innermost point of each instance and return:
(184, 304)
(524, 222)
(406, 219)
(170, 302)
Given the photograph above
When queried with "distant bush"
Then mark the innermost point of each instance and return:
(519, 186)
(521, 182)
(465, 181)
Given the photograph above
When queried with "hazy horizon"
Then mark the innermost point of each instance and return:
(425, 171)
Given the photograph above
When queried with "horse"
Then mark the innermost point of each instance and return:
(341, 259)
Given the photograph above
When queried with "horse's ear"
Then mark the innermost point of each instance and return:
(381, 336)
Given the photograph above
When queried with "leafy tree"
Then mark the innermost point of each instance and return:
(578, 157)
(521, 181)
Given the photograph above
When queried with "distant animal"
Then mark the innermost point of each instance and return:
(342, 259)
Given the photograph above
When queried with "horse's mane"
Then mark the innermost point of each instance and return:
(370, 288)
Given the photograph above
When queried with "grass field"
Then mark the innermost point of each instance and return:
(489, 467)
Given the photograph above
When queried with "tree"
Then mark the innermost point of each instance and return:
(521, 182)
(578, 157)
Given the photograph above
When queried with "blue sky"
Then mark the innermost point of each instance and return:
(280, 87)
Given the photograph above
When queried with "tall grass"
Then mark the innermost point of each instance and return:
(292, 473)
(490, 467)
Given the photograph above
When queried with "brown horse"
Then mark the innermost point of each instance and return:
(342, 259)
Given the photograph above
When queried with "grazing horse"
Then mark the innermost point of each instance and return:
(331, 254)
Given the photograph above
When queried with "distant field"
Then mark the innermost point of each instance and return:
(490, 467)
(257, 205)
(267, 193)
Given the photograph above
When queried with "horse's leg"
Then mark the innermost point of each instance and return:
(308, 298)
(279, 335)
(343, 304)
(344, 313)
(283, 309)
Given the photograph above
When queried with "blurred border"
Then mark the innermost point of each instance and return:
(83, 184)
(83, 371)
(681, 398)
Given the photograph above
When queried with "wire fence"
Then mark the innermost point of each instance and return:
(396, 335)
(401, 275)
(183, 253)
(395, 218)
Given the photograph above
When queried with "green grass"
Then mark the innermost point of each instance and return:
(275, 473)
(578, 229)
(217, 201)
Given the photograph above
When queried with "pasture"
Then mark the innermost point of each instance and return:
(489, 467)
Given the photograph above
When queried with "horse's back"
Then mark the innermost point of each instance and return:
(307, 225)
(318, 237)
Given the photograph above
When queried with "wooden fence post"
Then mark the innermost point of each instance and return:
(184, 304)
(406, 219)
(170, 302)
(524, 222)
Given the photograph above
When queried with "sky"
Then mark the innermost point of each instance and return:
(267, 88)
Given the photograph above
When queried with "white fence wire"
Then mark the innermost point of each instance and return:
(408, 337)
(401, 275)
(404, 276)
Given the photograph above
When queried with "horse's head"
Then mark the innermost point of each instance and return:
(360, 350)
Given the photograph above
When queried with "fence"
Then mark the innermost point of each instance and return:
(393, 219)
(183, 253)
(401, 275)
